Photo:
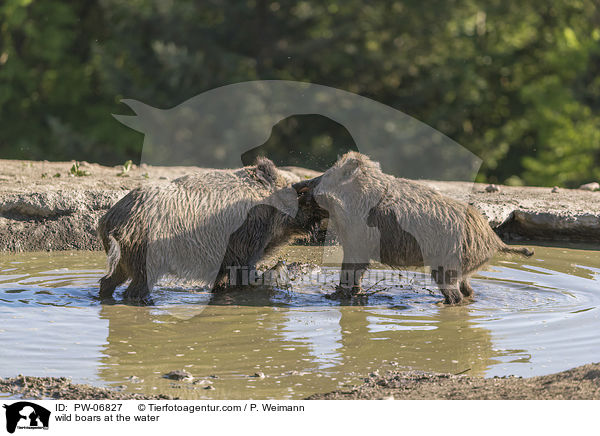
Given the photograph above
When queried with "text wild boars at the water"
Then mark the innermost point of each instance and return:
(402, 223)
(201, 227)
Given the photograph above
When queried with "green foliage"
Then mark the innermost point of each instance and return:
(52, 102)
(126, 168)
(516, 82)
(75, 171)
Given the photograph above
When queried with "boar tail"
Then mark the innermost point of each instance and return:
(113, 253)
(521, 251)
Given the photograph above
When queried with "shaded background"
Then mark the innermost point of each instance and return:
(514, 82)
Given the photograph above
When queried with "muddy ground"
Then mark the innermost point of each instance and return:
(61, 388)
(44, 207)
(581, 383)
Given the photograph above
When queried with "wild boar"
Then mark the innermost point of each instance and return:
(201, 227)
(402, 223)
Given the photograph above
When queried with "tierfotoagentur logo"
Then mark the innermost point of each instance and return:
(25, 415)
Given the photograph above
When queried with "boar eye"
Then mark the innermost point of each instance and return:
(303, 190)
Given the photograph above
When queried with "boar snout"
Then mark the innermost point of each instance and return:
(306, 186)
(306, 200)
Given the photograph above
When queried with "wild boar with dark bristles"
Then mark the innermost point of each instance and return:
(211, 227)
(401, 223)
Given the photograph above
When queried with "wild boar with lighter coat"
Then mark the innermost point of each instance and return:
(201, 227)
(401, 223)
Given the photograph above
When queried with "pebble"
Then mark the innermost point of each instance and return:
(594, 186)
(209, 388)
(178, 375)
(555, 189)
(492, 188)
(259, 375)
(134, 379)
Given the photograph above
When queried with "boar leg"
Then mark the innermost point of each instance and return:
(448, 286)
(109, 282)
(221, 281)
(465, 288)
(351, 278)
(137, 290)
(232, 276)
(140, 286)
(451, 293)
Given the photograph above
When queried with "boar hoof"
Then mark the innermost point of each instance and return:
(344, 293)
(137, 299)
(466, 289)
(142, 301)
(452, 296)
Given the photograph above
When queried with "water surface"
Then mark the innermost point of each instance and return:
(530, 317)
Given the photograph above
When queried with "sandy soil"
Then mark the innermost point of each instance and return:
(43, 207)
(581, 383)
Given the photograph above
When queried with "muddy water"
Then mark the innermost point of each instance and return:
(530, 317)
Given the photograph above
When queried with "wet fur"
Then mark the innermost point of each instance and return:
(416, 226)
(179, 228)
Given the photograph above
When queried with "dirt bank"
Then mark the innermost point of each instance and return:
(581, 383)
(43, 207)
(534, 213)
(61, 388)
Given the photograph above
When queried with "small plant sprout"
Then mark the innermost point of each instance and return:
(126, 168)
(76, 172)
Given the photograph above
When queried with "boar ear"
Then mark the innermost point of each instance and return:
(266, 171)
(350, 167)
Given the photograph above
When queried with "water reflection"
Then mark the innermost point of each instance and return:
(300, 349)
(319, 330)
